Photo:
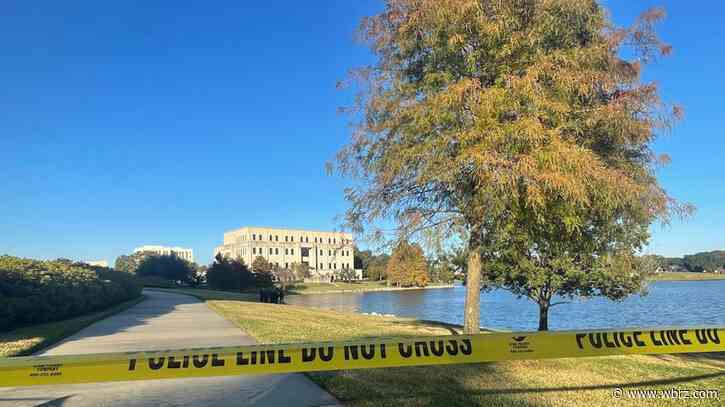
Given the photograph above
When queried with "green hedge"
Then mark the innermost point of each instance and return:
(33, 291)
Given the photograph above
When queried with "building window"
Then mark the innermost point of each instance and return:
(307, 239)
(270, 238)
(276, 251)
(329, 266)
(291, 251)
(305, 251)
(320, 252)
(285, 251)
(328, 240)
(270, 250)
(321, 268)
(286, 265)
(329, 252)
(335, 265)
(254, 237)
(285, 238)
(292, 238)
(254, 250)
(276, 238)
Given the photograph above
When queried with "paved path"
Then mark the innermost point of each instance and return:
(167, 321)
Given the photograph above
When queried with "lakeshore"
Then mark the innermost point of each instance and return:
(687, 276)
(578, 381)
(352, 287)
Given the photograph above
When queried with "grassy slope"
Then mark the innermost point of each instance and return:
(679, 276)
(562, 382)
(26, 340)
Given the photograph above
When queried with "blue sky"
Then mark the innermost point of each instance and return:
(131, 123)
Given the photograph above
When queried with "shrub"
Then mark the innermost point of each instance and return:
(33, 291)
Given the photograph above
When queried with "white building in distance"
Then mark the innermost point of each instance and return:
(182, 253)
(97, 263)
(325, 253)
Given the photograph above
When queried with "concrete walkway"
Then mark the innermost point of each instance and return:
(167, 321)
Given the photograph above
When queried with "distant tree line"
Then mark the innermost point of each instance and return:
(408, 265)
(161, 270)
(698, 263)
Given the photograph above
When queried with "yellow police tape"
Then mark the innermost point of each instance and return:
(372, 353)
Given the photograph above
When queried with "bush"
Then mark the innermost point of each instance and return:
(33, 291)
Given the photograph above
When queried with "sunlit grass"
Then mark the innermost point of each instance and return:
(560, 382)
(680, 276)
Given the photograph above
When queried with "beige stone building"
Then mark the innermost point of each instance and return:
(186, 254)
(325, 253)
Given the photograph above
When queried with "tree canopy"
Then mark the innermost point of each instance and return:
(262, 270)
(407, 266)
(229, 274)
(484, 116)
(129, 263)
(170, 267)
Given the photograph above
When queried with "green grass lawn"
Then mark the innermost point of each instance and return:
(680, 276)
(26, 340)
(561, 382)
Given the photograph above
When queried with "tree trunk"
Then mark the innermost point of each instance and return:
(472, 311)
(544, 316)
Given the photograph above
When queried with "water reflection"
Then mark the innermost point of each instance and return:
(669, 303)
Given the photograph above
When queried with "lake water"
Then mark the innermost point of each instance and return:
(669, 303)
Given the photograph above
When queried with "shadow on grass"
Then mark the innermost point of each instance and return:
(715, 359)
(455, 393)
(644, 383)
(56, 402)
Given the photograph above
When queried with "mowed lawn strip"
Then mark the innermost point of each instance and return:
(687, 276)
(26, 340)
(560, 382)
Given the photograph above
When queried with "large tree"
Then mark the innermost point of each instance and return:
(129, 263)
(229, 274)
(407, 266)
(169, 267)
(262, 270)
(480, 110)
